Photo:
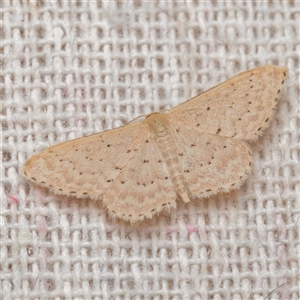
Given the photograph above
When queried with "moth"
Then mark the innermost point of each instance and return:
(195, 150)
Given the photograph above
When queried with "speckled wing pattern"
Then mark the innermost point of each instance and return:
(86, 166)
(143, 187)
(197, 149)
(122, 167)
(212, 164)
(240, 107)
(212, 128)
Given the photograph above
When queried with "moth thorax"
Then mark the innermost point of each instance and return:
(160, 130)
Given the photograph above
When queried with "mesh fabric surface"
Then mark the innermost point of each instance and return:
(73, 68)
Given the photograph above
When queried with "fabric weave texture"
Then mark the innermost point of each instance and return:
(73, 68)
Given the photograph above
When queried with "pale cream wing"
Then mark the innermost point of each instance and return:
(212, 163)
(143, 186)
(86, 167)
(240, 107)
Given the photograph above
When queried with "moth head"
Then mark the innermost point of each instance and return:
(158, 123)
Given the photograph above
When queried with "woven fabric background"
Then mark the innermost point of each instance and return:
(73, 68)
